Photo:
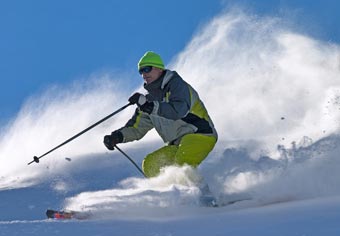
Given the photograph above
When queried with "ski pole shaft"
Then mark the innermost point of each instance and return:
(36, 159)
(130, 159)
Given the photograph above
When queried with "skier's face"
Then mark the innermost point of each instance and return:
(152, 75)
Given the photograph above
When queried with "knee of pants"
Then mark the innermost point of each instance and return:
(162, 157)
(194, 148)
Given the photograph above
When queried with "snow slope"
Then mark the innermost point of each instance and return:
(312, 217)
(274, 97)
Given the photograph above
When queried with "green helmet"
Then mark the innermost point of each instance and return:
(151, 59)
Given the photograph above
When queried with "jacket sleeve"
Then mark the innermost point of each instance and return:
(136, 127)
(177, 101)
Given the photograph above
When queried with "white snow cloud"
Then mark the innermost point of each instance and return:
(263, 81)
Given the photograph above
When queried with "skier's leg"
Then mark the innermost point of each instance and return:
(154, 161)
(194, 148)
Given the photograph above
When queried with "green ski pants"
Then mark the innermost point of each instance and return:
(192, 150)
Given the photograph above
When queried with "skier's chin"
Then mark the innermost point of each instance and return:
(148, 80)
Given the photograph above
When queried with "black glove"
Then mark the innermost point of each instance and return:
(138, 99)
(111, 140)
(141, 102)
(147, 107)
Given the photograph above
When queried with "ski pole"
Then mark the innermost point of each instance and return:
(36, 159)
(130, 159)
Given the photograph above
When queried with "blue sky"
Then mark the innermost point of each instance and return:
(45, 42)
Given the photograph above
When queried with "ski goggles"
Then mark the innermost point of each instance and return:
(146, 69)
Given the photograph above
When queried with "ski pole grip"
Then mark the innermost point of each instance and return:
(36, 159)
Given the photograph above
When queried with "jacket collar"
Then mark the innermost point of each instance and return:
(167, 77)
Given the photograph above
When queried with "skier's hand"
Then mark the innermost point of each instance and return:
(138, 99)
(147, 107)
(111, 140)
(141, 102)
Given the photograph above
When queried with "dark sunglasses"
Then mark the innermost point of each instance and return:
(145, 69)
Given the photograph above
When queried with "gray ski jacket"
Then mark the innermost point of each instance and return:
(177, 111)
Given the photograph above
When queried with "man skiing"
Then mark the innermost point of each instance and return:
(175, 110)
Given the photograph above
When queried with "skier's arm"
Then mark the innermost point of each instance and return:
(136, 127)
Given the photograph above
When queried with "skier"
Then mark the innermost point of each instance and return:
(175, 110)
